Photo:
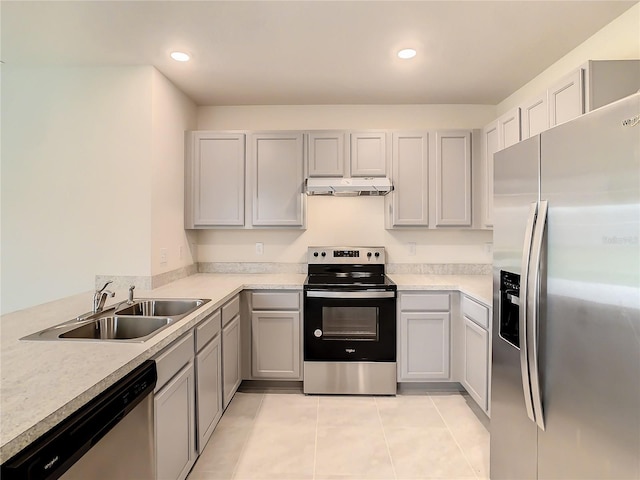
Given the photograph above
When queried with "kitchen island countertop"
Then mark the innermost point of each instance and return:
(43, 382)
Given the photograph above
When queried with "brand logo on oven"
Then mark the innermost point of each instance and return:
(350, 350)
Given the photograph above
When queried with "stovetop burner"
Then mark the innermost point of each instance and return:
(354, 268)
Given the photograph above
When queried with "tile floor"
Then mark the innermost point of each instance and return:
(297, 437)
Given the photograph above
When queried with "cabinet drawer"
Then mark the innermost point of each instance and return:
(424, 301)
(230, 310)
(173, 358)
(207, 330)
(476, 312)
(275, 301)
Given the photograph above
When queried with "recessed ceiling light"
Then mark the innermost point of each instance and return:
(407, 53)
(180, 56)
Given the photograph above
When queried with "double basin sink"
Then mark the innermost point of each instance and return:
(124, 322)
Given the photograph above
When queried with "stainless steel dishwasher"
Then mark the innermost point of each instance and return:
(112, 437)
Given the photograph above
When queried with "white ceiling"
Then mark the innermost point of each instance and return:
(312, 52)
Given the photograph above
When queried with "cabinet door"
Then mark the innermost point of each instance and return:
(175, 426)
(275, 340)
(326, 154)
(277, 177)
(230, 360)
(476, 362)
(410, 167)
(566, 99)
(535, 116)
(424, 346)
(208, 390)
(368, 154)
(217, 179)
(490, 145)
(509, 125)
(453, 178)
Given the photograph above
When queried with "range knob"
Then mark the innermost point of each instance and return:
(324, 254)
(369, 254)
(315, 254)
(377, 254)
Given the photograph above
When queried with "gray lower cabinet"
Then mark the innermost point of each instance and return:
(476, 364)
(424, 337)
(231, 350)
(276, 335)
(174, 410)
(208, 378)
(276, 345)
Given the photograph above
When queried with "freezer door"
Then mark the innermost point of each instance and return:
(513, 434)
(590, 315)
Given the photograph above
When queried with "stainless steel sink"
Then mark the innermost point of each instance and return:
(137, 322)
(161, 308)
(118, 328)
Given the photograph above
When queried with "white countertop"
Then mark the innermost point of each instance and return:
(44, 382)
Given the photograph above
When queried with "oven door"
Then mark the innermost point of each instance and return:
(350, 325)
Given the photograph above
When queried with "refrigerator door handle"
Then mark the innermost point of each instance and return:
(523, 321)
(533, 312)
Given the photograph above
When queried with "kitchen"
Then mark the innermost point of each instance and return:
(131, 180)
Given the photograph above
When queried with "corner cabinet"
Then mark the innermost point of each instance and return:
(431, 174)
(424, 337)
(499, 134)
(453, 178)
(214, 179)
(277, 179)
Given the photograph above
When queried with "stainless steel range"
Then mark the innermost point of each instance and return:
(349, 322)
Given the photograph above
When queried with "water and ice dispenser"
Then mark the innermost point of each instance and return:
(510, 307)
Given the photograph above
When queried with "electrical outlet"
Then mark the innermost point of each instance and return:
(259, 248)
(412, 249)
(181, 252)
(488, 248)
(163, 256)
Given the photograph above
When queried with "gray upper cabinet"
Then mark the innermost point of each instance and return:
(326, 153)
(499, 134)
(535, 115)
(453, 178)
(277, 178)
(409, 205)
(214, 179)
(368, 154)
(566, 98)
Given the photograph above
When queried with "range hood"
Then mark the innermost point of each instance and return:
(348, 186)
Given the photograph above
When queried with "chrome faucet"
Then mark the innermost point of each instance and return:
(130, 299)
(100, 297)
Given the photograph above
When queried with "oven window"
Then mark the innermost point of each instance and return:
(350, 323)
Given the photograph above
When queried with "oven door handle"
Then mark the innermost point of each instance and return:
(364, 294)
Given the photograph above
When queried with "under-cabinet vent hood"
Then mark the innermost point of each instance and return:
(348, 186)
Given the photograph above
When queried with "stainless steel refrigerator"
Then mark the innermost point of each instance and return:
(565, 400)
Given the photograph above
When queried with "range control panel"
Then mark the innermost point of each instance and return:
(346, 255)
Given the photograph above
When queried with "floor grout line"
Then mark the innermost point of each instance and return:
(455, 440)
(315, 446)
(246, 440)
(386, 442)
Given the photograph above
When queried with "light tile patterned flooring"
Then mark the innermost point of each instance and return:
(296, 437)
